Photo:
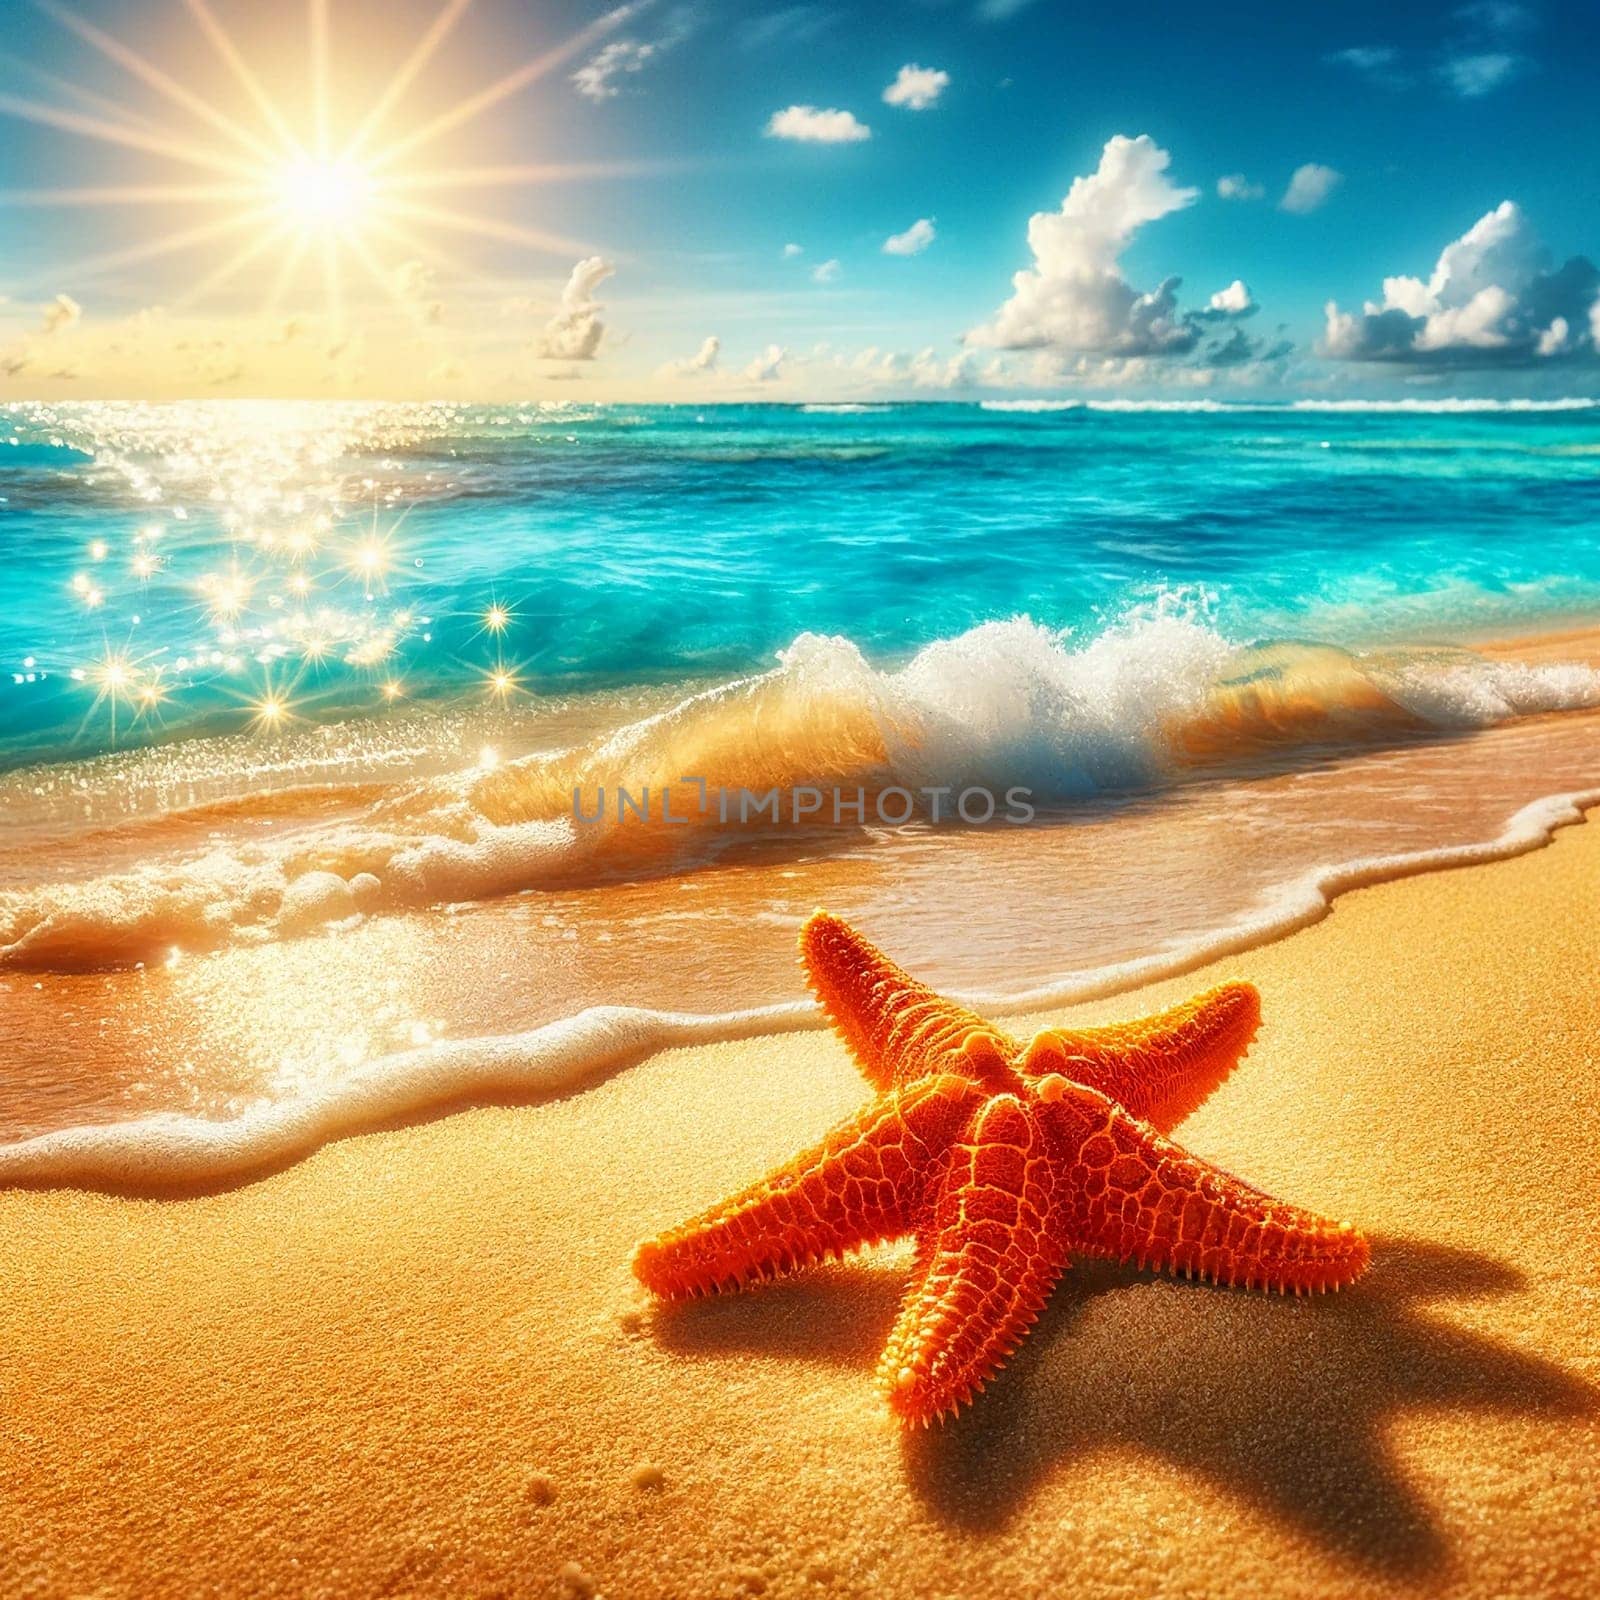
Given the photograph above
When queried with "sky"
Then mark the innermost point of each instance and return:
(706, 200)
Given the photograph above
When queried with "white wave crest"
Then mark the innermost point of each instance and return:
(1007, 705)
(1030, 405)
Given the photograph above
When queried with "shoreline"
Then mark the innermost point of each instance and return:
(416, 1362)
(169, 1154)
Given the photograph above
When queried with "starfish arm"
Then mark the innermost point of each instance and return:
(863, 1184)
(1135, 1195)
(1160, 1067)
(896, 1028)
(985, 1267)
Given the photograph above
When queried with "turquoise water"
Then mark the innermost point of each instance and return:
(295, 701)
(209, 568)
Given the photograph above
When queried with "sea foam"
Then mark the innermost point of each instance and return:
(171, 1153)
(1145, 703)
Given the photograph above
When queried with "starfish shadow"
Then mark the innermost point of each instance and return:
(1286, 1403)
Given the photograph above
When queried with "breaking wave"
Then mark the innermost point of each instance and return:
(1152, 700)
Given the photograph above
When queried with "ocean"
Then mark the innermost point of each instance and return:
(295, 700)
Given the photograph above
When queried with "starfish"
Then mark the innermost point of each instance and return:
(1002, 1161)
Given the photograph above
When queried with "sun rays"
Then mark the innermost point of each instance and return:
(326, 192)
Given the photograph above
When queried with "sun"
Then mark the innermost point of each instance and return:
(342, 194)
(320, 197)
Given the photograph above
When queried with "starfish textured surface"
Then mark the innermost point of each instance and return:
(1002, 1161)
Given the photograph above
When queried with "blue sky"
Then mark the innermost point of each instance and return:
(1410, 126)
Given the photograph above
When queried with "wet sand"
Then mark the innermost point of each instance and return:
(415, 1363)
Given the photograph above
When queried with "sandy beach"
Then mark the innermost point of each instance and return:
(416, 1364)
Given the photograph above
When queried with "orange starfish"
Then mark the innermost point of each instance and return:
(1002, 1161)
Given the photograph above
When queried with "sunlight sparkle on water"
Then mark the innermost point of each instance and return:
(270, 710)
(263, 551)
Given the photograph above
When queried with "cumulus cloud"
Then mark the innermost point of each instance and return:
(61, 313)
(702, 362)
(913, 241)
(926, 369)
(1493, 299)
(768, 366)
(1234, 301)
(916, 88)
(790, 251)
(1310, 187)
(1235, 186)
(1074, 297)
(575, 331)
(597, 78)
(809, 125)
(1556, 340)
(825, 272)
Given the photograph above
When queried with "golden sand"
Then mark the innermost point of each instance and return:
(415, 1364)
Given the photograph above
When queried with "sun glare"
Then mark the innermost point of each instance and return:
(323, 196)
(343, 190)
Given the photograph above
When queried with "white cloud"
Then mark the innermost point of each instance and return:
(1235, 186)
(790, 251)
(1310, 187)
(1472, 76)
(825, 272)
(597, 78)
(594, 80)
(809, 125)
(913, 241)
(1380, 64)
(1366, 58)
(575, 331)
(1074, 297)
(768, 366)
(1491, 300)
(1478, 52)
(62, 312)
(1554, 341)
(1480, 57)
(916, 88)
(927, 369)
(702, 362)
(1234, 301)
